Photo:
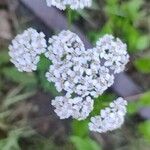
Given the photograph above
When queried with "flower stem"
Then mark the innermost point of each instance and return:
(69, 18)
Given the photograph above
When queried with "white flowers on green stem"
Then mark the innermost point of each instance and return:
(80, 74)
(73, 4)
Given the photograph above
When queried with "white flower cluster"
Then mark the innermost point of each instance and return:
(110, 118)
(82, 73)
(114, 52)
(74, 4)
(79, 73)
(78, 107)
(75, 70)
(26, 48)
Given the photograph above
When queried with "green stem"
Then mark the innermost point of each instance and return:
(69, 18)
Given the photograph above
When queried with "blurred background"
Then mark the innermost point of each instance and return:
(27, 120)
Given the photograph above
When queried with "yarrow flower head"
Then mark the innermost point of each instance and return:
(114, 53)
(110, 118)
(63, 46)
(26, 48)
(76, 70)
(73, 4)
(78, 107)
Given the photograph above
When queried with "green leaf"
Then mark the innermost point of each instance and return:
(107, 29)
(43, 67)
(132, 35)
(80, 128)
(114, 10)
(133, 108)
(143, 101)
(132, 9)
(4, 57)
(143, 42)
(111, 2)
(102, 102)
(144, 129)
(143, 64)
(14, 75)
(84, 143)
(74, 15)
